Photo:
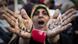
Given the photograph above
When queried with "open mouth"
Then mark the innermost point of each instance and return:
(40, 22)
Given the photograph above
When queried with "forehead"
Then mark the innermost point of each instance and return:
(41, 9)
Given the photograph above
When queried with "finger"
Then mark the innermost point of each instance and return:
(68, 20)
(11, 22)
(57, 30)
(61, 29)
(69, 15)
(11, 29)
(14, 30)
(11, 12)
(68, 11)
(10, 16)
(65, 27)
(59, 19)
(56, 14)
(24, 14)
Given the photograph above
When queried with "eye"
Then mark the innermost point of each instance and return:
(44, 13)
(36, 13)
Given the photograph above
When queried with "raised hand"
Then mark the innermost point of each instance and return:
(59, 25)
(8, 15)
(18, 23)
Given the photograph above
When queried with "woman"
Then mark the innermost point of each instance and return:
(36, 30)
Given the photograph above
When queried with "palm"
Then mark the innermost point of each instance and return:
(61, 23)
(17, 21)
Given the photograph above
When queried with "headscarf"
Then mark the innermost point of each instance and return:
(36, 7)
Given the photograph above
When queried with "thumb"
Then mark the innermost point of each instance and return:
(56, 14)
(24, 13)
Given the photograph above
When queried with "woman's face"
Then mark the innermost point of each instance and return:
(40, 18)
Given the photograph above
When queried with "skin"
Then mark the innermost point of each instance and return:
(52, 33)
(41, 15)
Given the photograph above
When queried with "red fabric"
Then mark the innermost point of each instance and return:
(38, 35)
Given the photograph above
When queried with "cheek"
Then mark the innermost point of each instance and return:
(34, 19)
(46, 19)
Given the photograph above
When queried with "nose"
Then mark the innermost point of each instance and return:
(40, 16)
